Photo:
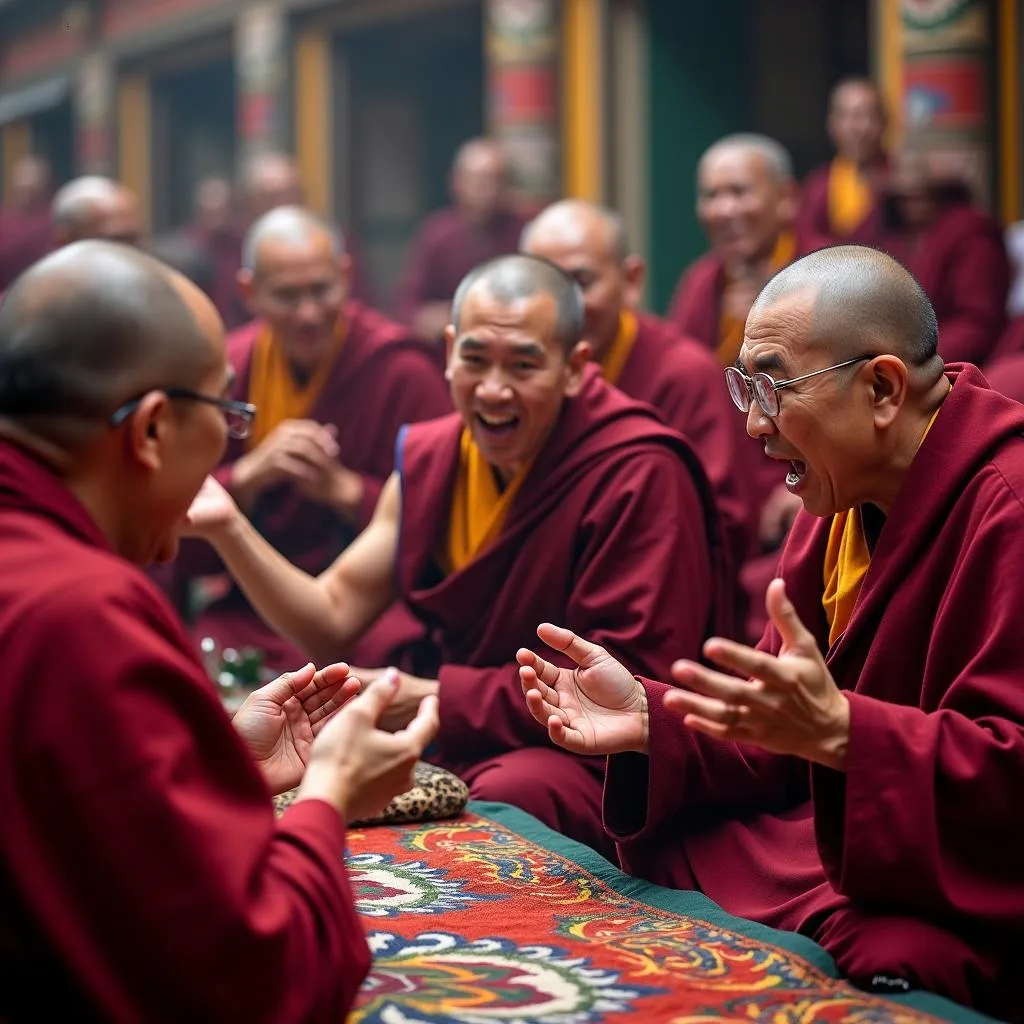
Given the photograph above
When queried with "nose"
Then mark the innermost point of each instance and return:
(758, 424)
(493, 388)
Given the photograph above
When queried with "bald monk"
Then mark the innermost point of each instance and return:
(143, 874)
(478, 226)
(857, 777)
(954, 249)
(548, 492)
(273, 179)
(841, 201)
(25, 232)
(98, 208)
(334, 381)
(645, 357)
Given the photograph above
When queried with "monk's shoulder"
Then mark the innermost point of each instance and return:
(389, 345)
(441, 228)
(1006, 374)
(239, 344)
(429, 439)
(701, 278)
(815, 183)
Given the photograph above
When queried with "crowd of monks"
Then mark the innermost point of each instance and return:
(728, 595)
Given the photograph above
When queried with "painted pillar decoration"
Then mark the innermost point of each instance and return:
(261, 68)
(522, 39)
(946, 88)
(94, 114)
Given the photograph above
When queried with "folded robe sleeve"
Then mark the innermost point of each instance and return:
(144, 842)
(626, 596)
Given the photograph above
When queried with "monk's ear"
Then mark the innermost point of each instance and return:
(449, 348)
(635, 272)
(889, 383)
(246, 286)
(575, 364)
(147, 431)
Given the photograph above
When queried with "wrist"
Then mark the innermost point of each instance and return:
(329, 783)
(644, 745)
(349, 491)
(244, 483)
(835, 745)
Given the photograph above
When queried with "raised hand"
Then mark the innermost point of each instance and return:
(788, 704)
(595, 708)
(279, 721)
(295, 450)
(211, 509)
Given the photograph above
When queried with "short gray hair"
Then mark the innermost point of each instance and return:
(72, 205)
(775, 154)
(292, 224)
(563, 209)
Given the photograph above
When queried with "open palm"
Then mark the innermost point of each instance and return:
(595, 708)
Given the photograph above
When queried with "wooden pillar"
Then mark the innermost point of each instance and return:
(94, 115)
(135, 140)
(15, 143)
(1011, 86)
(313, 118)
(583, 99)
(262, 61)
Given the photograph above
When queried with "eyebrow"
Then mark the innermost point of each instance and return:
(522, 348)
(768, 363)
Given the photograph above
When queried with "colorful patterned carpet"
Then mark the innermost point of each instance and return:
(494, 918)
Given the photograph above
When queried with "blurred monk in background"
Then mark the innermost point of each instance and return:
(26, 232)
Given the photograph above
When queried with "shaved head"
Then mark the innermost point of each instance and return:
(569, 221)
(271, 180)
(510, 279)
(287, 226)
(479, 179)
(95, 207)
(863, 301)
(777, 160)
(91, 326)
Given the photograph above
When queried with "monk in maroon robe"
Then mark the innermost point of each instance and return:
(647, 358)
(842, 201)
(334, 381)
(1005, 373)
(26, 232)
(746, 203)
(479, 226)
(956, 251)
(858, 778)
(549, 492)
(142, 873)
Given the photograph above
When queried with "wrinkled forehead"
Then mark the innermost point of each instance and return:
(310, 255)
(732, 166)
(490, 320)
(777, 337)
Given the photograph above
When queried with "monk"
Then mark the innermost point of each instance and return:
(95, 207)
(547, 491)
(841, 202)
(856, 778)
(646, 357)
(746, 203)
(273, 179)
(955, 250)
(25, 232)
(334, 381)
(143, 874)
(215, 232)
(478, 226)
(1006, 372)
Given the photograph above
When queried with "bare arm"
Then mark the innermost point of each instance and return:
(321, 615)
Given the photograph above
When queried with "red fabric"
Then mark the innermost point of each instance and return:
(917, 833)
(142, 876)
(962, 265)
(685, 383)
(813, 217)
(224, 251)
(26, 236)
(446, 248)
(613, 534)
(381, 380)
(1010, 344)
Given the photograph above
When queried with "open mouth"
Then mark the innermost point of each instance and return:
(497, 426)
(797, 469)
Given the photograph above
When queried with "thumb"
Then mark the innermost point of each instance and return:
(583, 652)
(289, 683)
(784, 617)
(378, 695)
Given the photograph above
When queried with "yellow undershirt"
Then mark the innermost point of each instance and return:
(615, 359)
(850, 196)
(847, 560)
(730, 328)
(479, 509)
(274, 390)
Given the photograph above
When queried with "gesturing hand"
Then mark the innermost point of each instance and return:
(279, 721)
(211, 509)
(595, 708)
(787, 704)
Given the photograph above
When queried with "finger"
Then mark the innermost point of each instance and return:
(530, 681)
(298, 469)
(565, 737)
(326, 703)
(778, 673)
(377, 696)
(543, 670)
(290, 683)
(783, 615)
(543, 711)
(711, 709)
(558, 638)
(423, 728)
(717, 684)
(328, 676)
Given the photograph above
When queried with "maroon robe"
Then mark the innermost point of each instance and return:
(685, 383)
(142, 874)
(908, 864)
(1010, 344)
(614, 534)
(446, 248)
(381, 380)
(26, 236)
(224, 251)
(1006, 375)
(962, 265)
(813, 221)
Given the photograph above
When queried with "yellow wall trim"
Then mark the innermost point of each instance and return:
(582, 99)
(135, 154)
(15, 143)
(1009, 43)
(890, 67)
(313, 128)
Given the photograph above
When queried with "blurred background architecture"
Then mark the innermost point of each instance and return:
(607, 99)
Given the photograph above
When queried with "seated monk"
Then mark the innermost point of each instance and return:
(478, 226)
(334, 382)
(645, 357)
(841, 202)
(955, 250)
(859, 776)
(26, 234)
(95, 207)
(143, 875)
(549, 492)
(746, 203)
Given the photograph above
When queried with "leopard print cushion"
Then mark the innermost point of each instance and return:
(437, 794)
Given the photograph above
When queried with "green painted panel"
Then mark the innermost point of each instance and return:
(700, 89)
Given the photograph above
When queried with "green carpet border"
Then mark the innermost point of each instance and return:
(697, 905)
